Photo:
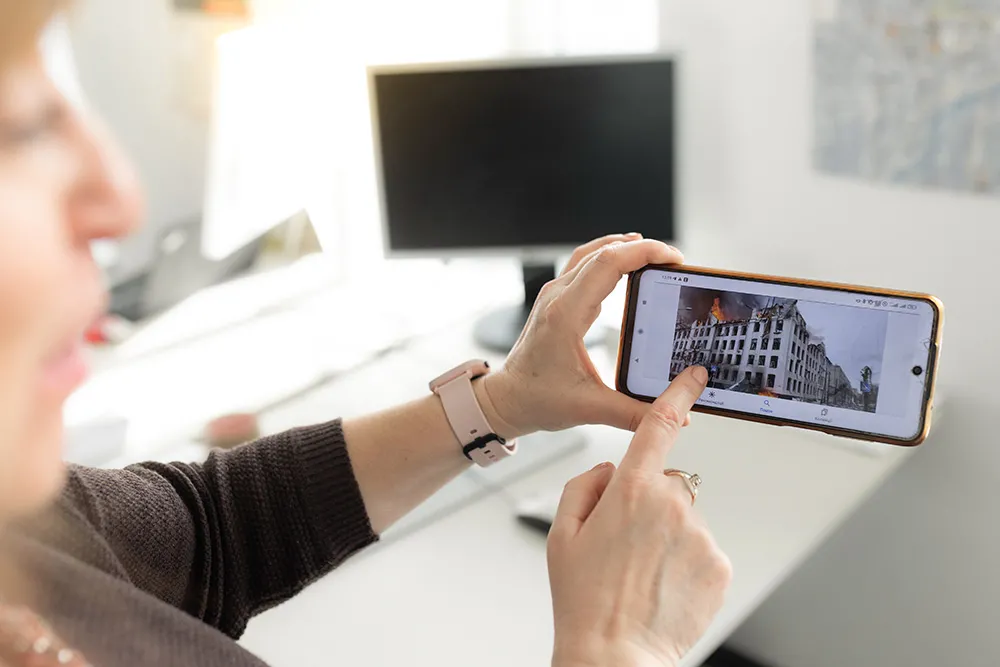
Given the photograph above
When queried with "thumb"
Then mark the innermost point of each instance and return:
(580, 497)
(615, 409)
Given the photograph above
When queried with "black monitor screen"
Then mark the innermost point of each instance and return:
(521, 156)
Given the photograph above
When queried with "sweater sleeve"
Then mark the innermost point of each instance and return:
(229, 538)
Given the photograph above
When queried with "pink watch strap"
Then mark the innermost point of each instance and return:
(479, 442)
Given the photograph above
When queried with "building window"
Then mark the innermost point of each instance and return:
(774, 362)
(753, 344)
(779, 326)
(732, 344)
(744, 330)
(739, 359)
(750, 360)
(729, 358)
(763, 343)
(748, 377)
(777, 344)
(791, 366)
(770, 382)
(741, 343)
(756, 327)
(788, 384)
(715, 345)
(757, 379)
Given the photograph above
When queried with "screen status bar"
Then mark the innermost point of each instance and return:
(831, 296)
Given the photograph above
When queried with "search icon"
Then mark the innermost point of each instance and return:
(767, 402)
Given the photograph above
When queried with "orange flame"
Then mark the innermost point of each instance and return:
(767, 393)
(717, 311)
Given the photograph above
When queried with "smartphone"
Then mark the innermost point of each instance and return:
(847, 360)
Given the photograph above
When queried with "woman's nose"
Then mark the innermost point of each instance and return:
(107, 201)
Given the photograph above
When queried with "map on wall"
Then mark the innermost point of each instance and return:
(908, 92)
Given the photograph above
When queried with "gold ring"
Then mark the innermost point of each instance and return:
(691, 481)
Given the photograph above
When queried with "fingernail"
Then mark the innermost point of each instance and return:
(600, 466)
(700, 374)
(634, 235)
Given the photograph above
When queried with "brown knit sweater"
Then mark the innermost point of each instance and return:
(158, 564)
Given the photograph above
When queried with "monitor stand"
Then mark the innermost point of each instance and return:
(497, 331)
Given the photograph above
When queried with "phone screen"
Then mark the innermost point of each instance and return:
(817, 356)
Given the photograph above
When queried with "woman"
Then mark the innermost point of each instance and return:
(165, 564)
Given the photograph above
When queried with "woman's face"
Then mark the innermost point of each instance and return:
(62, 185)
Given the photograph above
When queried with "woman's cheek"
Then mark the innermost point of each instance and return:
(33, 300)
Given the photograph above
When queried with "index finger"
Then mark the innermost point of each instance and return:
(584, 251)
(602, 272)
(658, 430)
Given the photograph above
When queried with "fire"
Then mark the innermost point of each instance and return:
(767, 393)
(717, 311)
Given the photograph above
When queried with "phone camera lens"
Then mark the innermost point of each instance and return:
(918, 371)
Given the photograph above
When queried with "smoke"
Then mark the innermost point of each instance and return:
(696, 304)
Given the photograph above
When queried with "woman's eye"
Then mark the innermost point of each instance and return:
(22, 133)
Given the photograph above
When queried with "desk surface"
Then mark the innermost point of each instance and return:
(771, 495)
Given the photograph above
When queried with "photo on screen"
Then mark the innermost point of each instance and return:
(792, 349)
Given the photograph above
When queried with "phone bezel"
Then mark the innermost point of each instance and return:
(933, 353)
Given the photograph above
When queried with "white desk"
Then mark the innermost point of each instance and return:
(770, 495)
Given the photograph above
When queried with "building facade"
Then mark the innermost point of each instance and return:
(840, 393)
(769, 353)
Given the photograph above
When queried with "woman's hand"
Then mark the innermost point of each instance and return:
(636, 576)
(549, 382)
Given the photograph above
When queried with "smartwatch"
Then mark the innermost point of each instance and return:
(479, 441)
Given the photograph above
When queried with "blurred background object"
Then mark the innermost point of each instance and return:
(523, 158)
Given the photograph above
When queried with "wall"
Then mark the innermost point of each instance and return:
(914, 577)
(127, 58)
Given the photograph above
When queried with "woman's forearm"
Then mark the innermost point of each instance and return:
(402, 456)
(548, 383)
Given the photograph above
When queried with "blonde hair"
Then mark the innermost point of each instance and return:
(22, 23)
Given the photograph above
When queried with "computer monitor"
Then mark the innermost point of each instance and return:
(523, 157)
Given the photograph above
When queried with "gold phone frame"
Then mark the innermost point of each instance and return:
(933, 356)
